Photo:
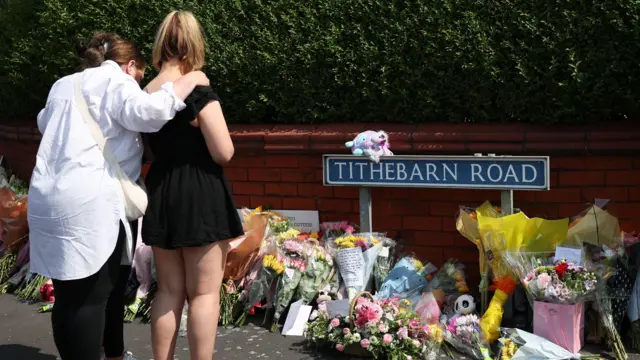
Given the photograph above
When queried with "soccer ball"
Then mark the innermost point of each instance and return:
(465, 305)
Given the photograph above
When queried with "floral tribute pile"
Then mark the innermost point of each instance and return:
(369, 298)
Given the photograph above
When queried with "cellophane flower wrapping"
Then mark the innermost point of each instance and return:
(427, 308)
(334, 230)
(356, 255)
(387, 329)
(244, 250)
(448, 282)
(318, 270)
(13, 218)
(258, 282)
(463, 333)
(384, 262)
(408, 275)
(291, 255)
(516, 344)
(560, 283)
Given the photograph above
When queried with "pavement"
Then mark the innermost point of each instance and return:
(26, 335)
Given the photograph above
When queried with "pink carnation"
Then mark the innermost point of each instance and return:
(367, 312)
(365, 343)
(346, 331)
(335, 323)
(387, 339)
(403, 333)
(340, 347)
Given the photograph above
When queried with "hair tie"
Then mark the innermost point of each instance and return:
(105, 45)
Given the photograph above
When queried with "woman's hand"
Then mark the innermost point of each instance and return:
(199, 78)
(185, 85)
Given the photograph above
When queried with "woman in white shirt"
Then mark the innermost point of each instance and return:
(79, 233)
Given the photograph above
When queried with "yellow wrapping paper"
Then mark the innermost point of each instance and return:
(596, 226)
(467, 226)
(516, 233)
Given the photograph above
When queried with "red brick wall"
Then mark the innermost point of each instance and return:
(282, 167)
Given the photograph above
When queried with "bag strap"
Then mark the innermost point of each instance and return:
(95, 130)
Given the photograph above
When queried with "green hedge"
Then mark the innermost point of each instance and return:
(346, 60)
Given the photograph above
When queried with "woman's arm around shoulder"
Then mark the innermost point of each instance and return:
(216, 133)
(139, 111)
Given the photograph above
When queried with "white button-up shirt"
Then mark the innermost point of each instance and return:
(75, 201)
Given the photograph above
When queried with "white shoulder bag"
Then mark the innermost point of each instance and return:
(135, 197)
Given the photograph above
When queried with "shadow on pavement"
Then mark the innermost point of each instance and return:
(21, 352)
(319, 353)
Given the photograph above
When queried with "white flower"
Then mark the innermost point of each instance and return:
(356, 337)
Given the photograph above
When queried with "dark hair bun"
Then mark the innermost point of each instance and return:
(92, 53)
(81, 47)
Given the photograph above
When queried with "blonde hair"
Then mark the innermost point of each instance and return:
(179, 37)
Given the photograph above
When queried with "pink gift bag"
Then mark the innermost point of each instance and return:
(560, 324)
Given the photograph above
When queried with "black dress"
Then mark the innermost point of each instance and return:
(190, 202)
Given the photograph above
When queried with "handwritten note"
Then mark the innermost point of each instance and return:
(352, 269)
(571, 255)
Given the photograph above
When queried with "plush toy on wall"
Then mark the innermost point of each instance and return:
(372, 144)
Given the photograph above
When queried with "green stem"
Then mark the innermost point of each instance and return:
(241, 320)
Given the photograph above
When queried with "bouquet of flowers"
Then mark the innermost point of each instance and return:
(13, 218)
(270, 267)
(463, 333)
(294, 266)
(562, 283)
(278, 223)
(383, 264)
(142, 271)
(30, 288)
(516, 344)
(385, 329)
(333, 230)
(319, 267)
(356, 255)
(245, 250)
(449, 280)
(407, 276)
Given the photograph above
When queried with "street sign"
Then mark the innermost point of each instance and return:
(454, 172)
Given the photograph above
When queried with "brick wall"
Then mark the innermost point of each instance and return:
(282, 167)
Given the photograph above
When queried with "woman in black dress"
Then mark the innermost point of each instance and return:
(191, 214)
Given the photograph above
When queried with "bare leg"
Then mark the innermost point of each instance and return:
(204, 270)
(167, 305)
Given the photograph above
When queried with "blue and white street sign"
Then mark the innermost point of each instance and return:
(455, 172)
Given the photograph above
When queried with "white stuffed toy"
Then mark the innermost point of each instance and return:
(372, 144)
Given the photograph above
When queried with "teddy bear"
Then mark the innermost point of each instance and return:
(323, 297)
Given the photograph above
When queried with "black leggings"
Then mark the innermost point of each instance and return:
(89, 313)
